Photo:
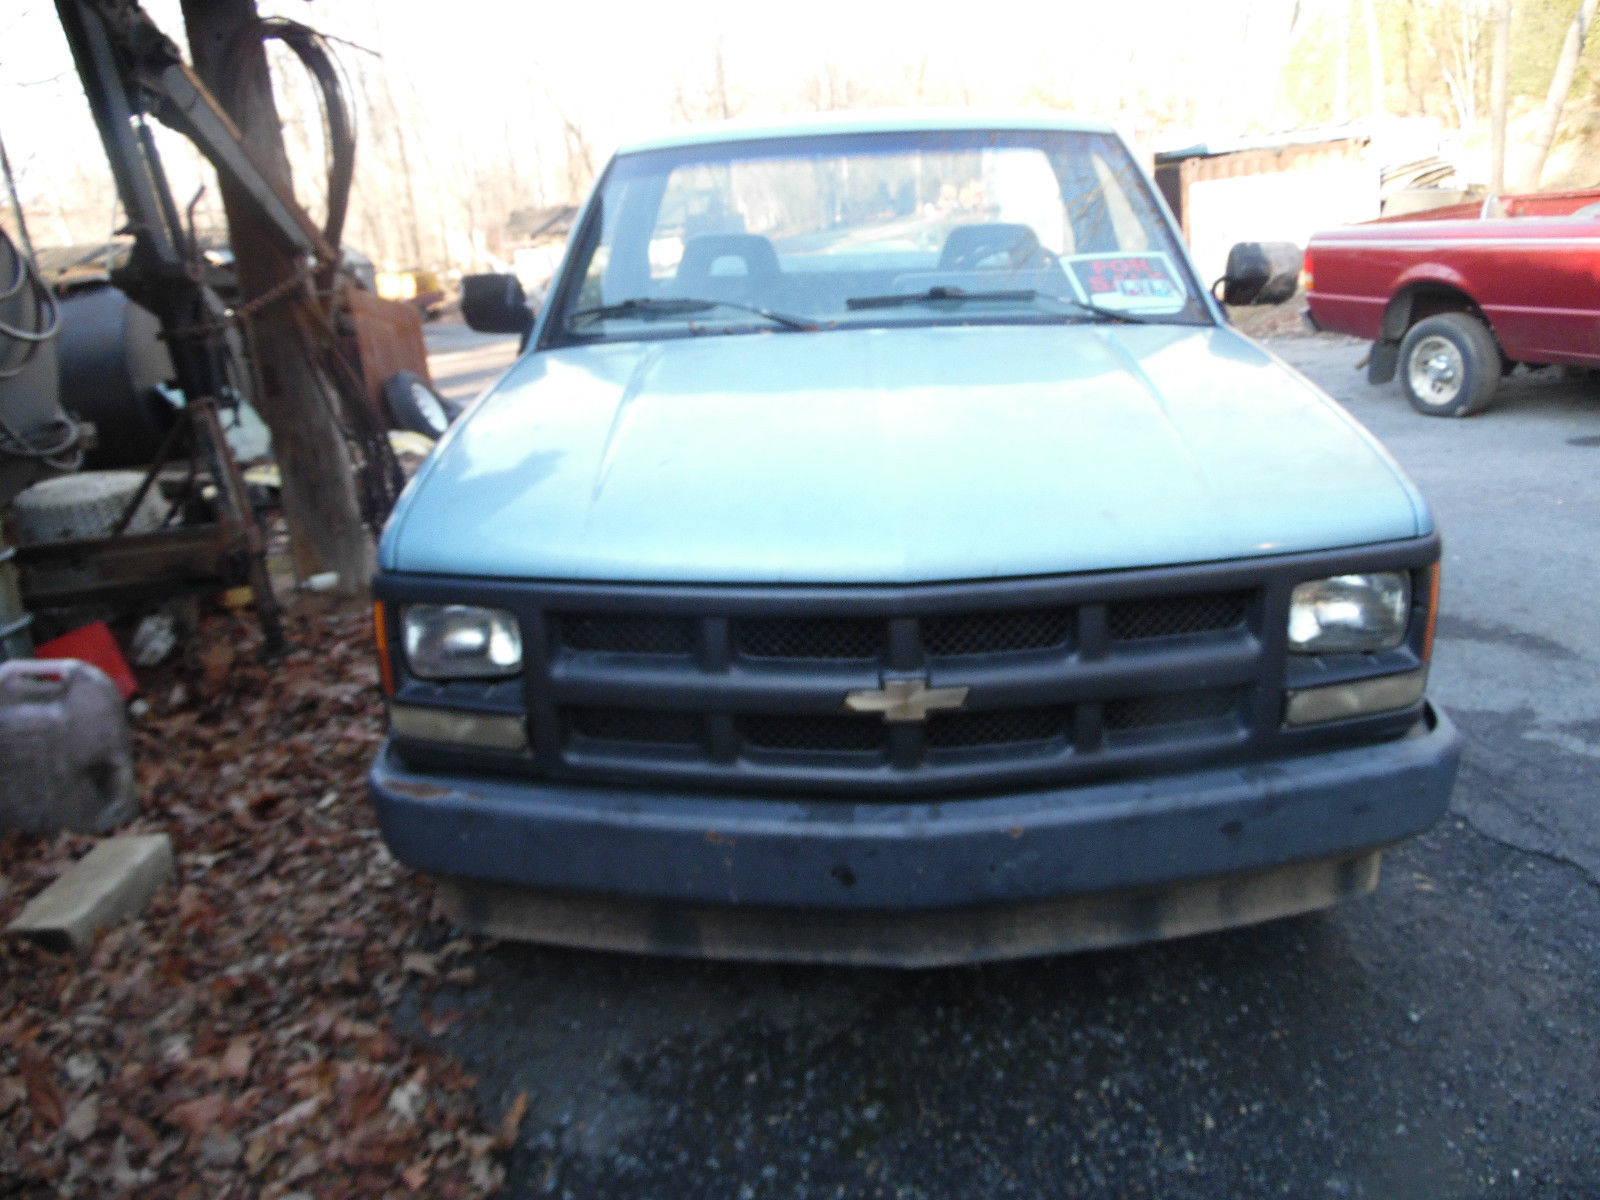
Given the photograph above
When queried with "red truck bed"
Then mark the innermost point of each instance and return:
(1533, 281)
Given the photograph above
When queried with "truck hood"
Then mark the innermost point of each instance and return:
(896, 455)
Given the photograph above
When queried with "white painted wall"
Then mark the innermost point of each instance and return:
(1288, 206)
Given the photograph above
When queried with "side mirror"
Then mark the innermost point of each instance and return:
(495, 304)
(1261, 273)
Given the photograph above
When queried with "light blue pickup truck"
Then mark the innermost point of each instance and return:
(885, 551)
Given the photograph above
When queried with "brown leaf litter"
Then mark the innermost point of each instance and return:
(236, 1039)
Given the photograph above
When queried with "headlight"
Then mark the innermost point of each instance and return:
(1350, 613)
(456, 641)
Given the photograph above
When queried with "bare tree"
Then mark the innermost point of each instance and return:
(719, 86)
(714, 100)
(1499, 78)
(1556, 99)
(580, 158)
(399, 134)
(296, 400)
(830, 89)
(1461, 76)
(1341, 81)
(1369, 17)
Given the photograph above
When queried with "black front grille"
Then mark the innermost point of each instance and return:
(817, 639)
(1176, 616)
(638, 726)
(1171, 708)
(608, 633)
(1001, 727)
(813, 733)
(730, 688)
(1003, 632)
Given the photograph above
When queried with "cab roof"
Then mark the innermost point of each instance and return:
(921, 120)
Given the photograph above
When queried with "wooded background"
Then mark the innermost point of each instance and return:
(473, 111)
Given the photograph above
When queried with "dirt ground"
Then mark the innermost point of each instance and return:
(236, 1039)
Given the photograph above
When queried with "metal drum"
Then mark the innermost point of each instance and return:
(113, 363)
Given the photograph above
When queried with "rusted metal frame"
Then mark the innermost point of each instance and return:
(183, 104)
(129, 68)
(163, 454)
(238, 522)
(89, 37)
(129, 566)
(193, 557)
(381, 477)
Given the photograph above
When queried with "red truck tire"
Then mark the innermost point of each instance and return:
(1449, 365)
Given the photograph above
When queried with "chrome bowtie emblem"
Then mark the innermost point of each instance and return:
(905, 699)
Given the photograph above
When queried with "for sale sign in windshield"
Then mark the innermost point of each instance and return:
(1140, 283)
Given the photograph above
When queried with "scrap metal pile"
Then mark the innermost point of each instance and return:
(148, 366)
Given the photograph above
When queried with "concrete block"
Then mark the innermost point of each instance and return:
(111, 882)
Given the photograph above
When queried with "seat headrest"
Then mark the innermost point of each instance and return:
(968, 245)
(701, 253)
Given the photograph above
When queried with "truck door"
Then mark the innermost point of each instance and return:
(1541, 288)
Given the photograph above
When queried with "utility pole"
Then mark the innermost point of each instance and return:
(296, 399)
(1499, 71)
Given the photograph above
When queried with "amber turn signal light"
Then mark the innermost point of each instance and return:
(380, 635)
(1433, 612)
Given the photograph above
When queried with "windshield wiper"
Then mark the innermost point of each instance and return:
(681, 306)
(943, 294)
(933, 295)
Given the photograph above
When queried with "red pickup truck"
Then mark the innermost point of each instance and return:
(1454, 299)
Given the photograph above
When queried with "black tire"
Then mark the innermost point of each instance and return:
(413, 405)
(1449, 365)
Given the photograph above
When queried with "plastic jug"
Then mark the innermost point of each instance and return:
(66, 758)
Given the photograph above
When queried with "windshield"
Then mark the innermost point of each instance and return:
(815, 233)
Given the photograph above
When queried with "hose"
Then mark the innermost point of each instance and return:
(44, 301)
(56, 442)
(311, 48)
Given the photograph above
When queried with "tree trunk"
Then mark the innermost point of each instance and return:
(1341, 81)
(1556, 99)
(724, 109)
(1499, 70)
(297, 401)
(1369, 17)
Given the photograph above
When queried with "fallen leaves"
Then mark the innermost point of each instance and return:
(82, 1120)
(44, 1097)
(196, 1116)
(235, 1061)
(512, 1121)
(235, 1040)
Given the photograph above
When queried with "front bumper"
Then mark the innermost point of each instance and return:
(1134, 838)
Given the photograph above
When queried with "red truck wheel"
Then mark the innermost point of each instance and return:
(1449, 365)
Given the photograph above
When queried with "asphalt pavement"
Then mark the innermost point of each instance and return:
(1440, 1038)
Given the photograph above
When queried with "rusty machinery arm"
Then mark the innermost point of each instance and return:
(131, 71)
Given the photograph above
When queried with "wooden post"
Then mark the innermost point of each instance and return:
(298, 402)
